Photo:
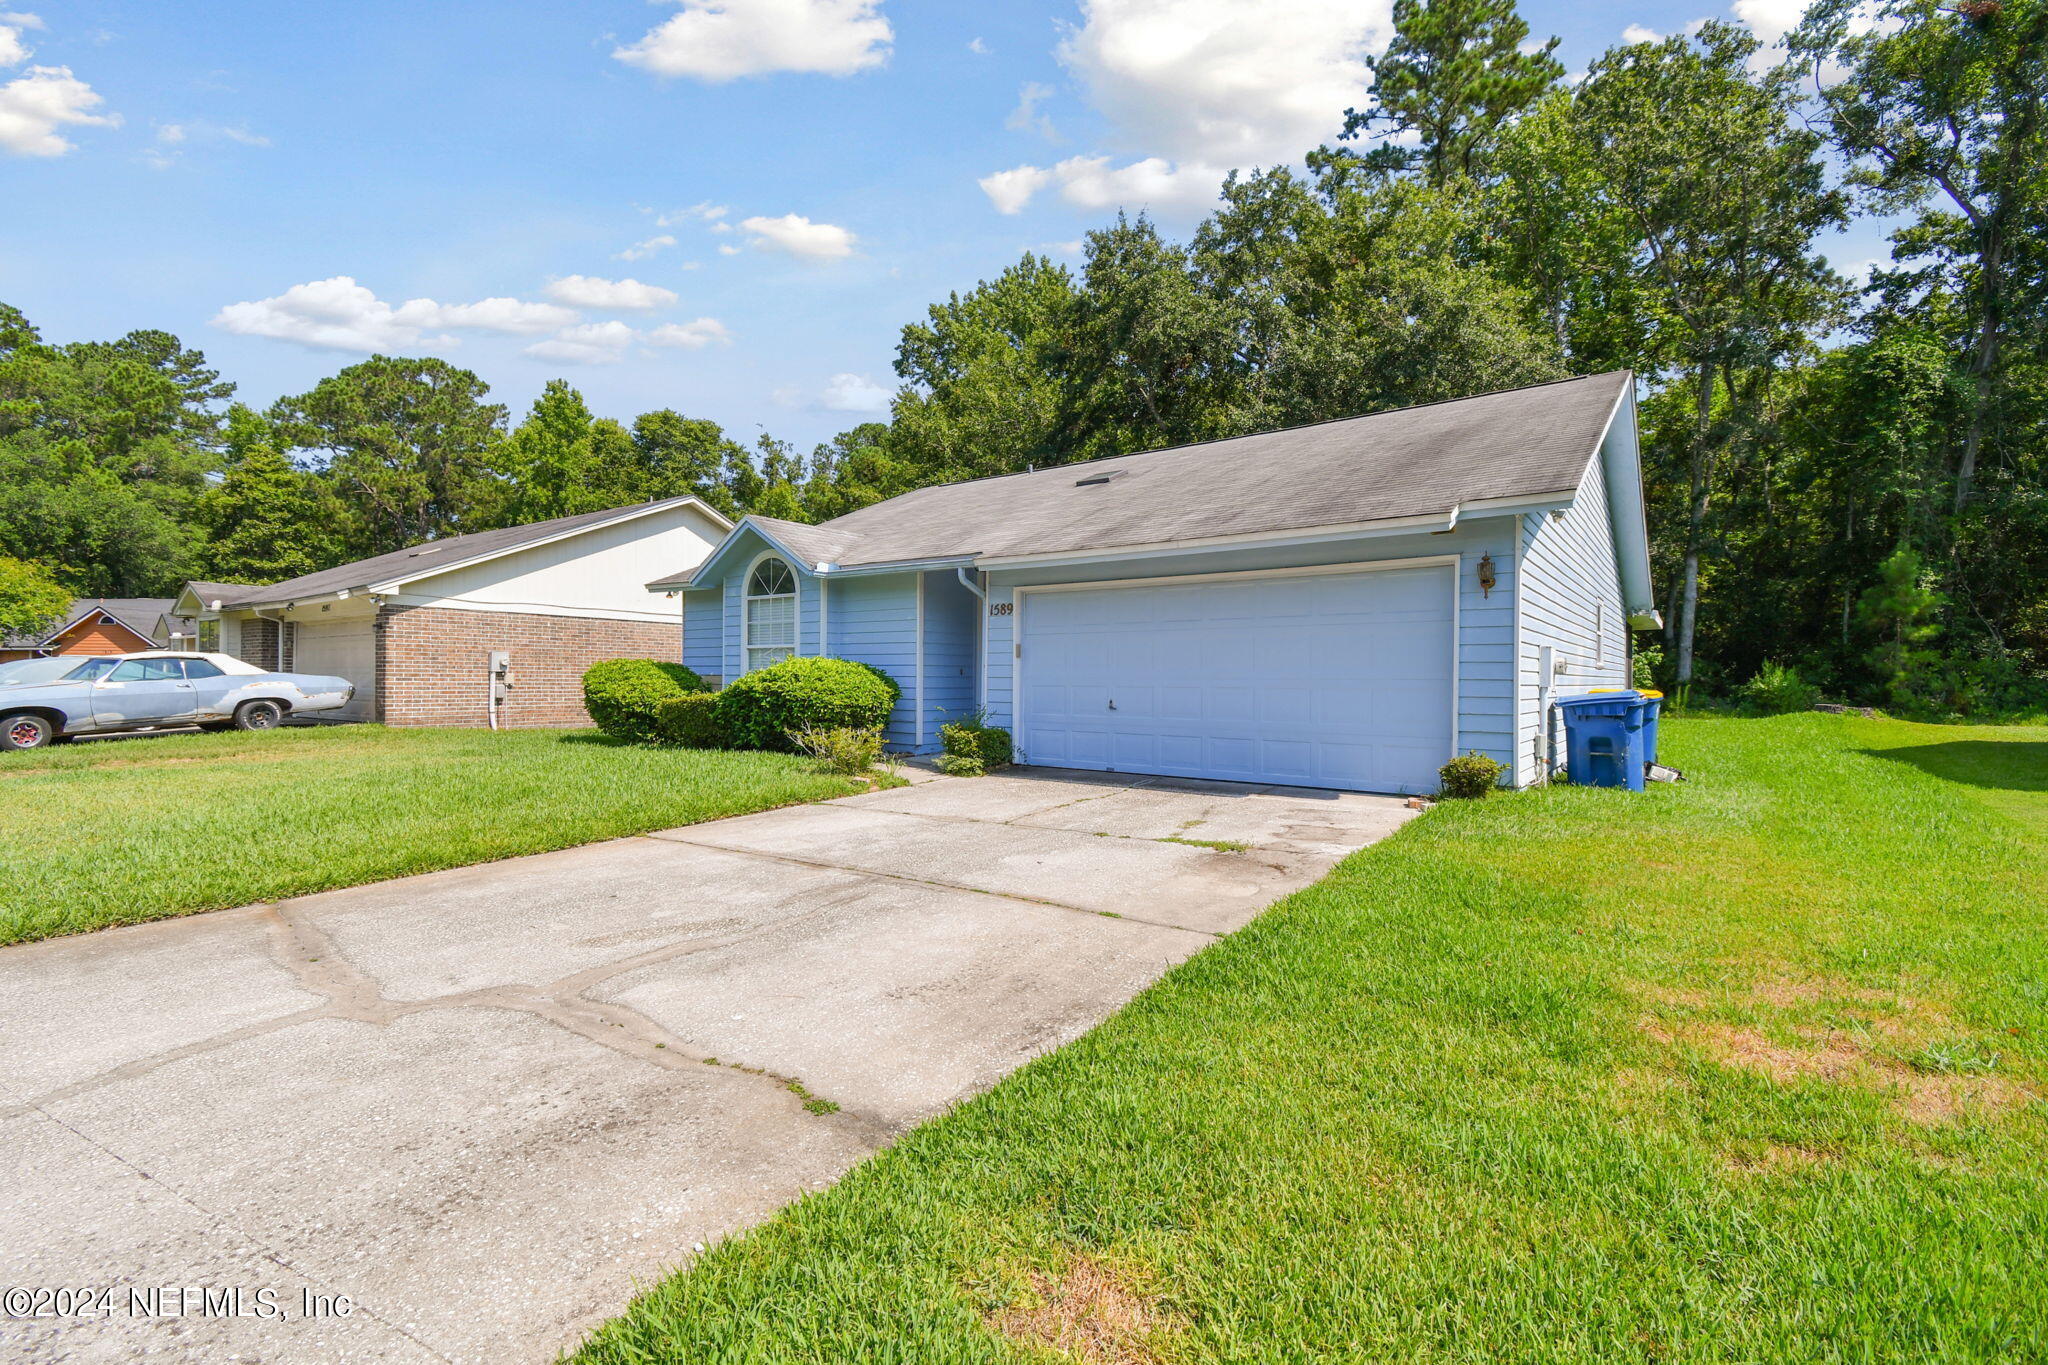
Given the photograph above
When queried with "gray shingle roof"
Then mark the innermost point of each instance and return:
(1409, 462)
(139, 614)
(418, 560)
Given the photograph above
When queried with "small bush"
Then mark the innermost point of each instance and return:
(621, 694)
(842, 749)
(762, 709)
(1470, 776)
(1775, 690)
(975, 738)
(689, 721)
(960, 765)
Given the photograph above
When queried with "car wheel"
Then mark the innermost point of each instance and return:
(26, 732)
(258, 715)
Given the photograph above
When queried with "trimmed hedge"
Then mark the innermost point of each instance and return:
(759, 710)
(622, 695)
(689, 720)
(988, 745)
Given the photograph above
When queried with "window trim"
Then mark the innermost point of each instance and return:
(747, 600)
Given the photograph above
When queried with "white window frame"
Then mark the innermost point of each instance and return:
(747, 600)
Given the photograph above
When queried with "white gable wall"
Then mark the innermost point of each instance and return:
(1570, 599)
(601, 573)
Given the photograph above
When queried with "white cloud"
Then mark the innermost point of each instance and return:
(34, 106)
(977, 47)
(704, 212)
(339, 314)
(13, 51)
(589, 343)
(1197, 87)
(728, 249)
(177, 135)
(854, 393)
(1011, 190)
(1092, 182)
(515, 317)
(799, 236)
(641, 250)
(1770, 20)
(1026, 118)
(1636, 33)
(722, 40)
(1070, 248)
(691, 336)
(588, 291)
(1222, 82)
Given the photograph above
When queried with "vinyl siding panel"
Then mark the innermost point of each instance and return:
(1571, 601)
(704, 632)
(874, 621)
(952, 618)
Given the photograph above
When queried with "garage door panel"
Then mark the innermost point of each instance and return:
(341, 649)
(1330, 680)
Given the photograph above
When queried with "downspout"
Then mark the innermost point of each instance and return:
(980, 641)
(277, 646)
(918, 731)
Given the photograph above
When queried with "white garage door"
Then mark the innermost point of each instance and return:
(341, 649)
(1325, 680)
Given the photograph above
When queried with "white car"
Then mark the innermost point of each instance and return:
(45, 700)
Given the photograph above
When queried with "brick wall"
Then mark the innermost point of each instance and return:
(432, 661)
(259, 642)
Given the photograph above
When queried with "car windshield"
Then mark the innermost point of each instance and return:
(25, 671)
(90, 669)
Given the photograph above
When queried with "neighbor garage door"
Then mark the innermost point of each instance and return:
(1326, 680)
(341, 649)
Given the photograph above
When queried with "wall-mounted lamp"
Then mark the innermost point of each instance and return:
(1486, 575)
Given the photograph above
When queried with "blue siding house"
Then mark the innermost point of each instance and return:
(1346, 604)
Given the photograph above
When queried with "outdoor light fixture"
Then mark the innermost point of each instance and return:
(1486, 577)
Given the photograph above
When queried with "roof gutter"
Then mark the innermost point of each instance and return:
(1432, 523)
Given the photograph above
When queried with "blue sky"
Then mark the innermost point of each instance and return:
(728, 207)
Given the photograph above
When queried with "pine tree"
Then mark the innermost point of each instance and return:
(1453, 78)
(265, 521)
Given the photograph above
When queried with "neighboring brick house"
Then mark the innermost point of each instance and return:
(106, 625)
(416, 630)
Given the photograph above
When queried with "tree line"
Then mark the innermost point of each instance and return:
(1845, 474)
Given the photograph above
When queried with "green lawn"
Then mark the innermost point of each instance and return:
(111, 832)
(1746, 1069)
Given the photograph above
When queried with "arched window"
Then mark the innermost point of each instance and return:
(770, 614)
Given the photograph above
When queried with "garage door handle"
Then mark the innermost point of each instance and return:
(1112, 705)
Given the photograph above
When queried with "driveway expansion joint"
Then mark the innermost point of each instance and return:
(670, 836)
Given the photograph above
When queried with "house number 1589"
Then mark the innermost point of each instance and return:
(1001, 608)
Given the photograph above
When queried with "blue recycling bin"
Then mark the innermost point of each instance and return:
(1653, 706)
(1603, 739)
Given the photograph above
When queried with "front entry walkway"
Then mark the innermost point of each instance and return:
(459, 1117)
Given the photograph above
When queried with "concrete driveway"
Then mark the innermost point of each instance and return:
(458, 1117)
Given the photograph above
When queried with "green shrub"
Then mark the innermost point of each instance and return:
(621, 694)
(762, 709)
(960, 765)
(975, 738)
(842, 749)
(1470, 776)
(689, 720)
(1777, 689)
(1649, 661)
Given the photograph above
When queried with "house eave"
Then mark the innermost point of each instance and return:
(1426, 524)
